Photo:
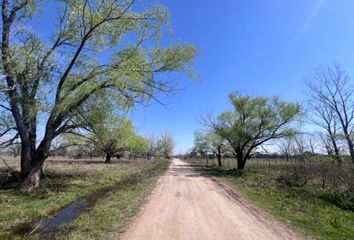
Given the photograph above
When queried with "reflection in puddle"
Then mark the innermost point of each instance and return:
(49, 225)
(66, 215)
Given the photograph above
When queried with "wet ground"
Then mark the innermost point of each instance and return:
(47, 227)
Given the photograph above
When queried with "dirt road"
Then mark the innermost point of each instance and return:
(187, 205)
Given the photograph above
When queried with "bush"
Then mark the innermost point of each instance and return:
(290, 180)
(343, 200)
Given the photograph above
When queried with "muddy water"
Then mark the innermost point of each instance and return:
(48, 227)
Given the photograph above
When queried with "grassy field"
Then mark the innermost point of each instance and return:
(308, 209)
(114, 192)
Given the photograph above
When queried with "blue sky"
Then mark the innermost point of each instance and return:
(255, 47)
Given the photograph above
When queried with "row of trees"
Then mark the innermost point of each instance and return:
(98, 51)
(118, 143)
(255, 123)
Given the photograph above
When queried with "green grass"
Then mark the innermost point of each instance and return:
(303, 208)
(114, 194)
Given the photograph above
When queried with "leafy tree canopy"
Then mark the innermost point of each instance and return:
(254, 121)
(95, 45)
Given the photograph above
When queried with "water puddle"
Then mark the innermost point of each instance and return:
(48, 227)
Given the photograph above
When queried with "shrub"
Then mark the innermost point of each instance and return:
(343, 200)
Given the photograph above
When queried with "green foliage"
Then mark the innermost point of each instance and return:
(113, 135)
(166, 145)
(133, 71)
(255, 121)
(98, 49)
(209, 143)
(201, 146)
(342, 200)
(258, 118)
(137, 144)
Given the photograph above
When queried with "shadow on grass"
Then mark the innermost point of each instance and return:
(219, 171)
(55, 181)
(89, 162)
(8, 179)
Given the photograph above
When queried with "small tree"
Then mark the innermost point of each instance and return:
(312, 141)
(112, 136)
(218, 145)
(253, 122)
(137, 145)
(152, 146)
(201, 145)
(166, 145)
(284, 146)
(212, 143)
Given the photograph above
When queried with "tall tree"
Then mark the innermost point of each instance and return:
(253, 122)
(332, 98)
(97, 45)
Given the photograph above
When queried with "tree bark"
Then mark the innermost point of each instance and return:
(31, 171)
(30, 177)
(351, 148)
(336, 150)
(241, 160)
(241, 163)
(32, 163)
(108, 158)
(218, 155)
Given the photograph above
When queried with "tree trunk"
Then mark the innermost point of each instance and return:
(108, 158)
(351, 149)
(30, 179)
(241, 160)
(31, 169)
(219, 158)
(336, 150)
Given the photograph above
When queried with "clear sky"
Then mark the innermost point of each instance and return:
(255, 47)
